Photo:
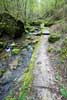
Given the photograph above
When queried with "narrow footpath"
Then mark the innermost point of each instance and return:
(44, 86)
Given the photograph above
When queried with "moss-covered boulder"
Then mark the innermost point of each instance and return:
(48, 23)
(36, 23)
(29, 28)
(53, 38)
(15, 51)
(10, 26)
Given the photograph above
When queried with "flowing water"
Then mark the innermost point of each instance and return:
(14, 66)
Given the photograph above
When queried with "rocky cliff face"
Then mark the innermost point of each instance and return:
(10, 26)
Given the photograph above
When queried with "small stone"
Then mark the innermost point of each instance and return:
(13, 44)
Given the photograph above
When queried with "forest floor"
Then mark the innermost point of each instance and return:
(44, 85)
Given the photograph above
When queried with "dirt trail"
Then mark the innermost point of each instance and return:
(44, 87)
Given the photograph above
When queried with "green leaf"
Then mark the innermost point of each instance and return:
(63, 91)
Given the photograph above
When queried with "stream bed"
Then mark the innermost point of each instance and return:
(15, 65)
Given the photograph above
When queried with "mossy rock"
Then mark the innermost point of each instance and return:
(2, 72)
(35, 41)
(53, 38)
(10, 26)
(36, 23)
(48, 23)
(32, 29)
(13, 45)
(2, 45)
(29, 28)
(10, 98)
(15, 51)
(49, 49)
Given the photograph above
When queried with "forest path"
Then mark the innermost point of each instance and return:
(43, 86)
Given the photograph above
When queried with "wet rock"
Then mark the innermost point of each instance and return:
(8, 49)
(29, 48)
(2, 45)
(13, 44)
(2, 72)
(13, 65)
(45, 32)
(6, 78)
(35, 41)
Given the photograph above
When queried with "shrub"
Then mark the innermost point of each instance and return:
(49, 49)
(48, 23)
(63, 91)
(53, 38)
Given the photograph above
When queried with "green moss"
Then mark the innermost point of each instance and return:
(53, 38)
(48, 22)
(13, 45)
(10, 98)
(49, 49)
(2, 72)
(32, 29)
(36, 23)
(58, 50)
(15, 51)
(27, 77)
(63, 91)
(29, 28)
(57, 77)
(10, 26)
